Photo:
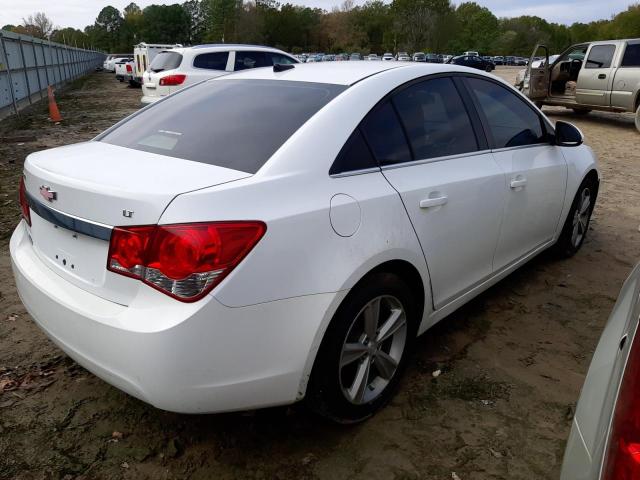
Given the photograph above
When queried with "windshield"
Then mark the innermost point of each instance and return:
(165, 61)
(237, 124)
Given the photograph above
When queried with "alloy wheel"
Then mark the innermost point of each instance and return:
(581, 218)
(372, 349)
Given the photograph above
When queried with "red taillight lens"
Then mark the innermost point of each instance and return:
(184, 261)
(623, 455)
(129, 69)
(171, 80)
(24, 204)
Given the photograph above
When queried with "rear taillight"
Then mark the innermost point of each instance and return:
(171, 80)
(623, 456)
(184, 261)
(24, 203)
(129, 69)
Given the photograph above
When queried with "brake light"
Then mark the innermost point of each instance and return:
(171, 80)
(24, 203)
(623, 454)
(183, 261)
(129, 69)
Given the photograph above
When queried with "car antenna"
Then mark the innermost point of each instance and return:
(281, 67)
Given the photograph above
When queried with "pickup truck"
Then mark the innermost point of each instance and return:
(602, 75)
(123, 68)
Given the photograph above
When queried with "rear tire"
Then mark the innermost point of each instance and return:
(581, 111)
(576, 225)
(638, 118)
(365, 350)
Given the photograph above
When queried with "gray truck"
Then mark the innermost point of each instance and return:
(603, 75)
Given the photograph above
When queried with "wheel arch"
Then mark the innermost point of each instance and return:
(405, 269)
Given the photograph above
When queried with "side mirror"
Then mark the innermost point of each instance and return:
(568, 135)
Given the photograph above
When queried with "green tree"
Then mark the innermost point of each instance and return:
(165, 24)
(476, 29)
(197, 20)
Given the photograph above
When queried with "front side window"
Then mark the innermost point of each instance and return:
(274, 58)
(435, 119)
(384, 135)
(600, 56)
(237, 124)
(511, 121)
(246, 60)
(165, 61)
(631, 55)
(211, 60)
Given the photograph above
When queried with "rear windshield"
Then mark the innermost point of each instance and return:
(165, 61)
(235, 124)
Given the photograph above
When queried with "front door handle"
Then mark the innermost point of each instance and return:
(517, 183)
(433, 202)
(602, 76)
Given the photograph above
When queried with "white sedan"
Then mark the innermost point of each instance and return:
(281, 234)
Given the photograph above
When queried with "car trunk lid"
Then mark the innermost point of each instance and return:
(79, 192)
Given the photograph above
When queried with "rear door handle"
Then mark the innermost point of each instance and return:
(433, 202)
(602, 76)
(520, 182)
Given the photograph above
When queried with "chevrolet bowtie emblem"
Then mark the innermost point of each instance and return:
(48, 194)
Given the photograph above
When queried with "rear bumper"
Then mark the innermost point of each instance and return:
(190, 358)
(146, 99)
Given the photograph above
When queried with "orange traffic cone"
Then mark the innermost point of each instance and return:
(54, 113)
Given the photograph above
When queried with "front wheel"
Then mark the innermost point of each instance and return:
(488, 68)
(638, 118)
(577, 223)
(365, 350)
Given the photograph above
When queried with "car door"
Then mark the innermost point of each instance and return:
(536, 80)
(450, 184)
(627, 78)
(535, 169)
(596, 76)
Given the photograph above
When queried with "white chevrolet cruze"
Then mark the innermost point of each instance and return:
(285, 233)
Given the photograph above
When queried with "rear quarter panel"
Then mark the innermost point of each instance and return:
(589, 433)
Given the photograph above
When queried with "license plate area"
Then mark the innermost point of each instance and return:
(71, 254)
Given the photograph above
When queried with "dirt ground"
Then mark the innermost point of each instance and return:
(512, 361)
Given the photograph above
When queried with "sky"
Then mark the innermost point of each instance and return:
(80, 13)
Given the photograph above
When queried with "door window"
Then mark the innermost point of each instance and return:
(245, 60)
(274, 58)
(435, 119)
(212, 60)
(355, 155)
(510, 120)
(600, 56)
(631, 55)
(384, 135)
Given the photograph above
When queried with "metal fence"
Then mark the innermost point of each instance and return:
(28, 65)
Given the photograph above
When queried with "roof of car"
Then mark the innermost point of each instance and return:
(223, 47)
(340, 73)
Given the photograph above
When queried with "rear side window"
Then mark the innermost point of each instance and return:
(165, 61)
(510, 120)
(631, 55)
(384, 134)
(600, 56)
(235, 124)
(435, 119)
(355, 155)
(212, 60)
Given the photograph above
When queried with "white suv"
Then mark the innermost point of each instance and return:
(174, 69)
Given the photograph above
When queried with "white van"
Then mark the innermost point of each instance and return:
(143, 55)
